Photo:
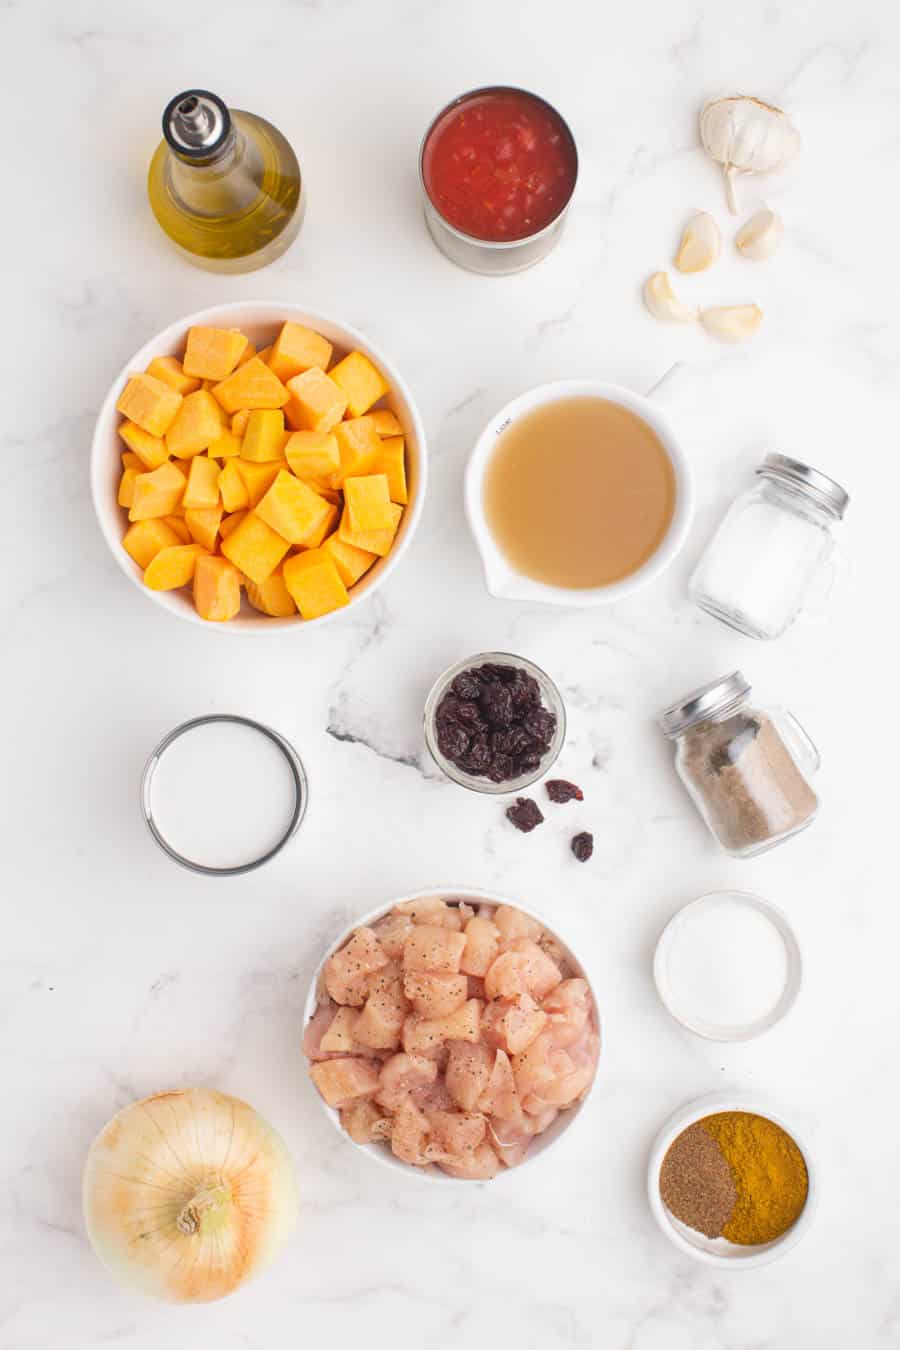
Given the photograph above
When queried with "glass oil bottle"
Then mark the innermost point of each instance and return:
(224, 185)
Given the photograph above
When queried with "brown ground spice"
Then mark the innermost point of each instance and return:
(696, 1182)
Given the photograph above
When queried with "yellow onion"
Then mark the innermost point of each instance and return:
(188, 1194)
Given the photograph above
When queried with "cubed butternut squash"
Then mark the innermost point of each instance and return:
(213, 353)
(314, 583)
(372, 541)
(391, 460)
(315, 401)
(297, 349)
(264, 437)
(329, 522)
(197, 425)
(172, 567)
(258, 478)
(362, 383)
(225, 446)
(239, 422)
(203, 525)
(313, 455)
(170, 370)
(359, 446)
(125, 495)
(230, 523)
(217, 588)
(368, 503)
(350, 561)
(247, 354)
(132, 461)
(255, 548)
(251, 386)
(150, 450)
(146, 538)
(149, 403)
(202, 491)
(292, 508)
(177, 523)
(386, 423)
(272, 596)
(232, 488)
(157, 493)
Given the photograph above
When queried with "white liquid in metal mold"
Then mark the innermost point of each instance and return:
(726, 966)
(222, 794)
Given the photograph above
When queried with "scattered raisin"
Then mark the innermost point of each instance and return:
(583, 845)
(559, 790)
(525, 814)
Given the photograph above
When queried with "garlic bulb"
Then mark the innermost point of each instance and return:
(662, 301)
(732, 323)
(188, 1194)
(746, 136)
(759, 237)
(700, 244)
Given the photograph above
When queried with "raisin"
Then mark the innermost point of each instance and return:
(525, 814)
(497, 705)
(502, 768)
(559, 790)
(525, 690)
(583, 845)
(530, 760)
(479, 755)
(453, 740)
(465, 686)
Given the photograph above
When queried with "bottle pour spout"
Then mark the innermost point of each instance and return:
(196, 124)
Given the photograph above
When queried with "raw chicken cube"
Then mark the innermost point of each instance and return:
(500, 1097)
(381, 1021)
(523, 969)
(431, 948)
(435, 995)
(339, 1038)
(568, 1007)
(457, 1132)
(431, 910)
(513, 1026)
(468, 1071)
(512, 924)
(401, 1075)
(409, 1134)
(480, 1165)
(341, 1080)
(364, 1122)
(482, 946)
(346, 971)
(423, 1034)
(391, 932)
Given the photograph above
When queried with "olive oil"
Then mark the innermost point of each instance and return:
(224, 185)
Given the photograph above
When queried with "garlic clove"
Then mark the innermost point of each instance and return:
(663, 303)
(700, 244)
(759, 237)
(732, 323)
(745, 135)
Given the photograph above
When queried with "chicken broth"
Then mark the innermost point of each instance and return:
(579, 493)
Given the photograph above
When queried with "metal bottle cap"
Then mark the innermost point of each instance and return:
(708, 701)
(196, 124)
(824, 491)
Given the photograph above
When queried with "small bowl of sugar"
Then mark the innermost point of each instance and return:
(728, 966)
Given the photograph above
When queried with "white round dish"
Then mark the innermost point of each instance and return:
(718, 1251)
(379, 1153)
(500, 578)
(260, 320)
(678, 931)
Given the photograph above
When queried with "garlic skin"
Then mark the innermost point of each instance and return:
(732, 323)
(663, 303)
(759, 237)
(745, 135)
(187, 1194)
(700, 244)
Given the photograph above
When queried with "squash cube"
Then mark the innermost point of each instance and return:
(202, 491)
(264, 437)
(203, 526)
(368, 503)
(125, 495)
(313, 455)
(297, 349)
(217, 588)
(247, 354)
(292, 508)
(232, 488)
(225, 446)
(132, 461)
(362, 383)
(314, 583)
(157, 493)
(251, 386)
(197, 425)
(386, 423)
(150, 450)
(172, 567)
(329, 523)
(391, 460)
(150, 403)
(359, 446)
(272, 596)
(372, 541)
(316, 402)
(177, 524)
(213, 353)
(255, 548)
(239, 422)
(146, 538)
(170, 370)
(258, 478)
(351, 562)
(230, 523)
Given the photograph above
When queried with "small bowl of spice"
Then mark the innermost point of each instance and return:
(730, 1182)
(494, 722)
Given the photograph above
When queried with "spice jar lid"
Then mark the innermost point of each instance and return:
(709, 700)
(822, 489)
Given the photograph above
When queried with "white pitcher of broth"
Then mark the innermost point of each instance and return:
(577, 493)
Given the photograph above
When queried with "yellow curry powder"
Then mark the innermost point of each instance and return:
(769, 1175)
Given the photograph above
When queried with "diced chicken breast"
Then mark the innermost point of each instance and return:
(500, 1098)
(568, 1008)
(423, 1034)
(401, 1075)
(435, 995)
(346, 971)
(364, 1122)
(480, 1165)
(316, 1028)
(409, 1134)
(431, 910)
(457, 1132)
(468, 1070)
(391, 932)
(482, 946)
(513, 1026)
(512, 924)
(522, 969)
(435, 949)
(380, 1023)
(557, 953)
(532, 1068)
(339, 1038)
(509, 1140)
(341, 1080)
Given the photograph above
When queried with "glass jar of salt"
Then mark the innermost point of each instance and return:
(747, 768)
(773, 550)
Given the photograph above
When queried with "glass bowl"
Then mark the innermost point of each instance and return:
(551, 699)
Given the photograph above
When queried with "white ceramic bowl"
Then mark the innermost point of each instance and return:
(380, 1153)
(500, 578)
(260, 320)
(718, 1251)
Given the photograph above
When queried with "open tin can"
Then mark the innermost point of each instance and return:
(482, 250)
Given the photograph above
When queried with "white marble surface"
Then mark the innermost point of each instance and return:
(121, 975)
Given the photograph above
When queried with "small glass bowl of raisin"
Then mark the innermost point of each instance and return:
(494, 722)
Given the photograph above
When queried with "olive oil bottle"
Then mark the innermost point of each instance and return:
(224, 185)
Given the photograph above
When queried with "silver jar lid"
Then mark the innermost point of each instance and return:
(196, 124)
(710, 700)
(822, 489)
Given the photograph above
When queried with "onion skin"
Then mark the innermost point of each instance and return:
(188, 1194)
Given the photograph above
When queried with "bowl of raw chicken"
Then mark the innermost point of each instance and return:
(452, 1034)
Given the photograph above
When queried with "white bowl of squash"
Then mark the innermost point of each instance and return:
(452, 1035)
(332, 573)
